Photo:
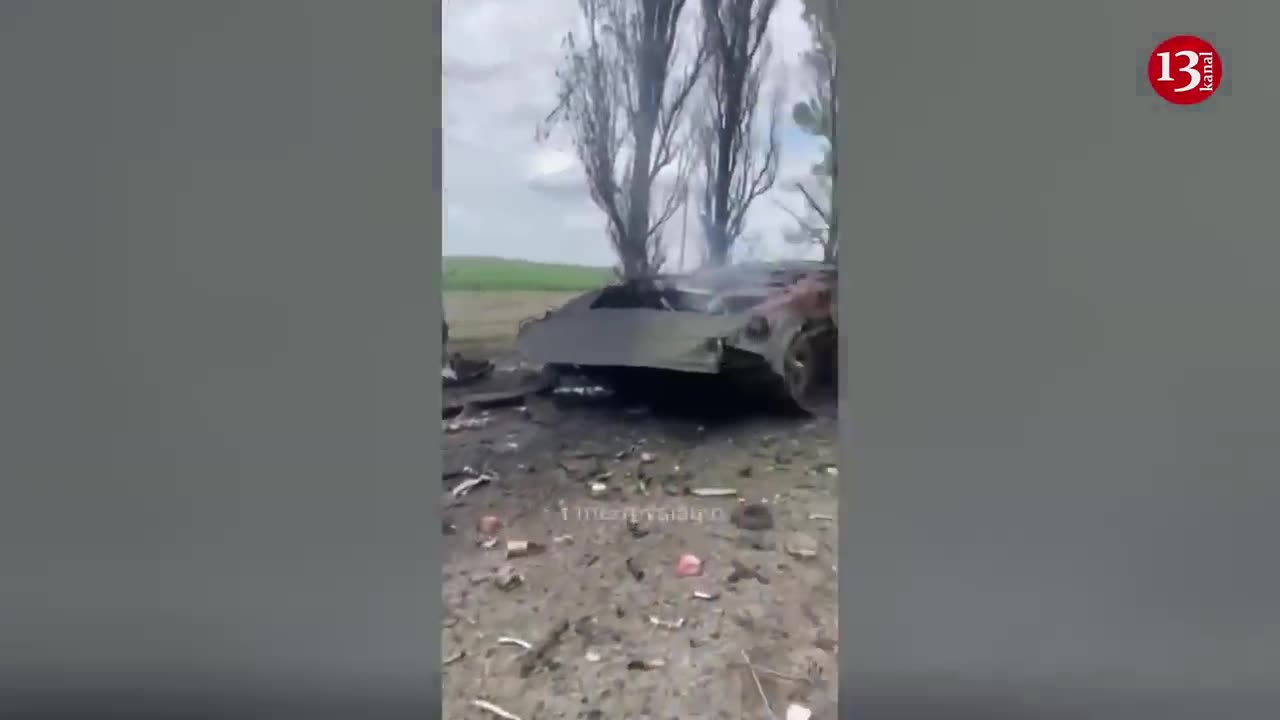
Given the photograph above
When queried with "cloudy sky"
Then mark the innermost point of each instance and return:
(508, 195)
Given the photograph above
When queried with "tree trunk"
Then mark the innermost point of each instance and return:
(720, 242)
(635, 260)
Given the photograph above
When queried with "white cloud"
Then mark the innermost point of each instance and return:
(507, 194)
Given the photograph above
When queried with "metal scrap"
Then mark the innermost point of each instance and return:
(467, 423)
(507, 640)
(508, 579)
(779, 316)
(472, 483)
(801, 546)
(666, 624)
(713, 492)
(522, 548)
(494, 710)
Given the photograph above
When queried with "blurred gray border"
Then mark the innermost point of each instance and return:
(219, 268)
(1061, 429)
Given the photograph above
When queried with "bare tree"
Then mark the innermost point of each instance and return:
(816, 226)
(621, 99)
(818, 115)
(736, 170)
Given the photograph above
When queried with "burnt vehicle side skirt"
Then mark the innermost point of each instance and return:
(629, 337)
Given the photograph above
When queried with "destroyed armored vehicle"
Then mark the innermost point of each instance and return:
(768, 326)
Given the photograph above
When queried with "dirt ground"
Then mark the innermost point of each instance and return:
(597, 623)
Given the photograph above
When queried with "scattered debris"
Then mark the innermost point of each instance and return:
(592, 656)
(646, 458)
(449, 528)
(713, 492)
(506, 640)
(742, 572)
(702, 595)
(467, 423)
(581, 465)
(833, 471)
(464, 370)
(755, 540)
(634, 569)
(821, 516)
(471, 483)
(798, 712)
(489, 524)
(598, 489)
(652, 664)
(633, 527)
(801, 546)
(779, 675)
(666, 624)
(494, 709)
(583, 391)
(752, 516)
(562, 540)
(688, 566)
(537, 654)
(759, 688)
(523, 548)
(508, 579)
(454, 657)
(489, 543)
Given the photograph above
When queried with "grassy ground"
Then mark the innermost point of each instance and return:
(485, 298)
(482, 274)
(483, 323)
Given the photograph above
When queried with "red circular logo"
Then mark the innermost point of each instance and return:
(1185, 70)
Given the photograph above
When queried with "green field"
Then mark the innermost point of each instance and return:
(500, 274)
